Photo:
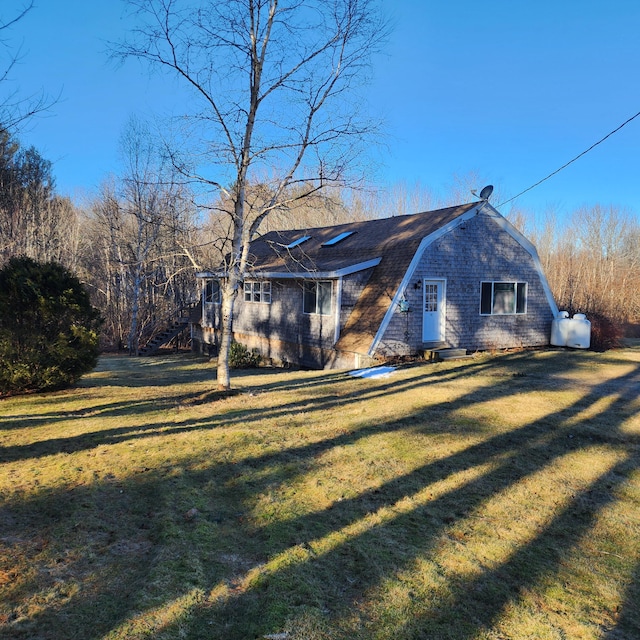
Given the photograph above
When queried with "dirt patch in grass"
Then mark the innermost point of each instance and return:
(208, 396)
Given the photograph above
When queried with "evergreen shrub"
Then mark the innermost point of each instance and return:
(48, 328)
(241, 358)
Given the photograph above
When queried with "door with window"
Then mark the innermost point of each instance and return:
(433, 310)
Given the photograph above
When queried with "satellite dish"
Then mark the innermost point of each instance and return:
(485, 194)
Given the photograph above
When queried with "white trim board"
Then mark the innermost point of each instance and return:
(299, 275)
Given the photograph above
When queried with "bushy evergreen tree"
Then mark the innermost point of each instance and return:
(48, 328)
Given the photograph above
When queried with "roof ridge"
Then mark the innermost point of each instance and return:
(362, 223)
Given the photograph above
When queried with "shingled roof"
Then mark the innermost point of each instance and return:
(388, 244)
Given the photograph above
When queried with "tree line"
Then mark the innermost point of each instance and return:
(139, 241)
(135, 245)
(592, 261)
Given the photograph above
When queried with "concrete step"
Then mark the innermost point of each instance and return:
(447, 353)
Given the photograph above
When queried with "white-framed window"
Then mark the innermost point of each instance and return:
(255, 291)
(316, 297)
(212, 291)
(503, 298)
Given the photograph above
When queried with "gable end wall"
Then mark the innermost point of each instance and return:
(479, 249)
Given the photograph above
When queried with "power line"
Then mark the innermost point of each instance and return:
(564, 166)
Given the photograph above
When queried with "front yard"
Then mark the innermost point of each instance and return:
(492, 498)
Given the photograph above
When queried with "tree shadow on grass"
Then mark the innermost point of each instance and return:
(477, 604)
(77, 559)
(164, 371)
(247, 580)
(362, 561)
(508, 376)
(172, 403)
(627, 623)
(115, 534)
(366, 560)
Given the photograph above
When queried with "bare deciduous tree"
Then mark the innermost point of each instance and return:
(142, 259)
(34, 221)
(146, 197)
(272, 83)
(14, 107)
(591, 260)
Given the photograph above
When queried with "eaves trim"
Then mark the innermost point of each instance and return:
(316, 275)
(298, 275)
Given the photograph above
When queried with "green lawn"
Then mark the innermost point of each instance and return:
(495, 498)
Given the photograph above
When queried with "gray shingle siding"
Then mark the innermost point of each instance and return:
(281, 331)
(283, 318)
(478, 250)
(352, 287)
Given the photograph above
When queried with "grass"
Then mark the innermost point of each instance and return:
(491, 499)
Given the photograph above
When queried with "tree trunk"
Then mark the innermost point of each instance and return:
(223, 372)
(275, 68)
(135, 306)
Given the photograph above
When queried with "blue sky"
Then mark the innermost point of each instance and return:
(507, 90)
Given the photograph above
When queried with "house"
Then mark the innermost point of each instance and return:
(351, 295)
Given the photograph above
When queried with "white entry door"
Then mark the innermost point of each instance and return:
(433, 310)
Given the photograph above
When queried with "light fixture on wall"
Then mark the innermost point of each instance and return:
(417, 284)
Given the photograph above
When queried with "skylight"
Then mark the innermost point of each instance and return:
(338, 238)
(300, 240)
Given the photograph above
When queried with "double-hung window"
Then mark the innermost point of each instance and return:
(255, 291)
(316, 297)
(503, 298)
(212, 292)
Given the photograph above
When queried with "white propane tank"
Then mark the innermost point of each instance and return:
(579, 332)
(560, 329)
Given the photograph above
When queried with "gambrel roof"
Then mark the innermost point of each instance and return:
(387, 252)
(389, 259)
(308, 253)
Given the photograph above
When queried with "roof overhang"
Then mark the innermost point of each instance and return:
(299, 275)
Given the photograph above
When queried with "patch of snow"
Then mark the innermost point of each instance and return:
(374, 372)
